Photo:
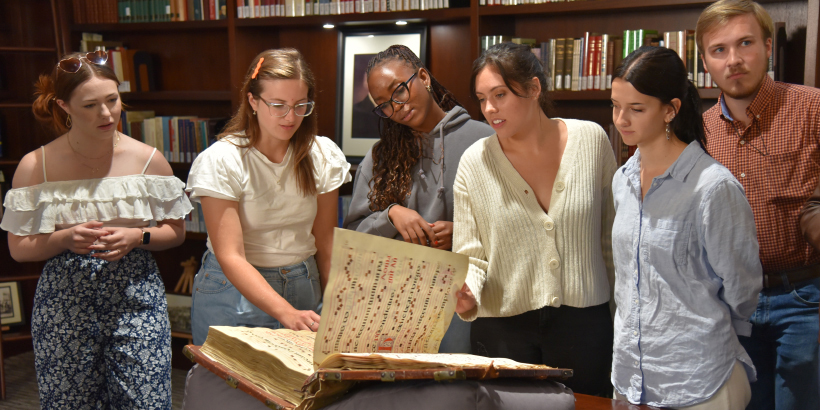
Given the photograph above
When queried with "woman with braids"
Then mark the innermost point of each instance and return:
(533, 213)
(93, 203)
(403, 187)
(269, 190)
(685, 248)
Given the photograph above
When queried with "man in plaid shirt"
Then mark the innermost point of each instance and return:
(768, 134)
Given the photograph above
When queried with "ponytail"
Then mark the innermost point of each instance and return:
(45, 106)
(688, 123)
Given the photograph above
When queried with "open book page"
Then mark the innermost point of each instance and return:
(278, 361)
(420, 361)
(387, 296)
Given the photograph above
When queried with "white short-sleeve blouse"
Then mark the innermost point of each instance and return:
(276, 218)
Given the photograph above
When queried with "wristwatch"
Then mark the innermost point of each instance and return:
(146, 237)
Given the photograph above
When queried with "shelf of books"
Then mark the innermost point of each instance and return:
(581, 68)
(585, 6)
(449, 14)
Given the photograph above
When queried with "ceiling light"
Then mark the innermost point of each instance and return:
(401, 23)
(328, 25)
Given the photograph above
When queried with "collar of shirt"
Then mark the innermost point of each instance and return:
(679, 169)
(759, 104)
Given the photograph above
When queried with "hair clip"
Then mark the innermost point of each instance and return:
(256, 71)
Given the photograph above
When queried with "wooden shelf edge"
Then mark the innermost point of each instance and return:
(16, 335)
(594, 6)
(15, 105)
(153, 26)
(177, 96)
(9, 162)
(19, 278)
(448, 14)
(27, 50)
(604, 95)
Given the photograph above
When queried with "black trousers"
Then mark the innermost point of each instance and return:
(564, 337)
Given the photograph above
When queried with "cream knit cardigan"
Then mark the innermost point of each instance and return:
(522, 258)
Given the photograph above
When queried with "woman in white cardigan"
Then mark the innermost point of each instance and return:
(534, 211)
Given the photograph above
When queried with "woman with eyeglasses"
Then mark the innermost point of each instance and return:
(403, 187)
(534, 212)
(269, 190)
(685, 248)
(93, 203)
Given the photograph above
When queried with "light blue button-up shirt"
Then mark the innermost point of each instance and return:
(687, 278)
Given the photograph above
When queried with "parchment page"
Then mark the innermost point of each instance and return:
(387, 296)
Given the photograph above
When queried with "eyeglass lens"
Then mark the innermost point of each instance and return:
(281, 110)
(400, 96)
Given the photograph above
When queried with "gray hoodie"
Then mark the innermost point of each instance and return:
(431, 194)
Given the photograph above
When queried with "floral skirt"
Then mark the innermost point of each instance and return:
(102, 339)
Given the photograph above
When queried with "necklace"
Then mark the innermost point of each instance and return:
(93, 169)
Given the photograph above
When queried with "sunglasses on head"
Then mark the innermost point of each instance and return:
(73, 64)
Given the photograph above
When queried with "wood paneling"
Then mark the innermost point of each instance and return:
(451, 62)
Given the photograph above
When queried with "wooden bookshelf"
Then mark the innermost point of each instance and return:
(438, 15)
(151, 27)
(181, 96)
(597, 6)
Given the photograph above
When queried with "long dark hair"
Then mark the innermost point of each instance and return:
(398, 150)
(279, 64)
(517, 65)
(659, 72)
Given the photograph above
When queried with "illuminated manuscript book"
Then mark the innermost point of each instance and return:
(386, 306)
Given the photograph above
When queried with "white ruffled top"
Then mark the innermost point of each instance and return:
(130, 201)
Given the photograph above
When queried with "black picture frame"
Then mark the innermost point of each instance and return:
(365, 42)
(11, 304)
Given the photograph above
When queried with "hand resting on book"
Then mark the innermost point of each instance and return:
(300, 320)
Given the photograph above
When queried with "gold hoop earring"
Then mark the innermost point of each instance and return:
(429, 89)
(68, 121)
(667, 131)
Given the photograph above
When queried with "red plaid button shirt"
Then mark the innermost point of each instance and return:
(777, 160)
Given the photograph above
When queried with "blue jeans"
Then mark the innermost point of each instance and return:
(783, 348)
(216, 302)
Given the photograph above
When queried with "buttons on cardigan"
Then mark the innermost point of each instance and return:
(635, 332)
(549, 225)
(743, 175)
(559, 186)
(742, 142)
(554, 264)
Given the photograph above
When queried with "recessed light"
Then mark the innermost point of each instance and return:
(328, 25)
(401, 23)
(370, 36)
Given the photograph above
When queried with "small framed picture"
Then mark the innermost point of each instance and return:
(357, 127)
(11, 308)
(179, 312)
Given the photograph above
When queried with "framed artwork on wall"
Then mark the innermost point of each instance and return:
(357, 128)
(11, 310)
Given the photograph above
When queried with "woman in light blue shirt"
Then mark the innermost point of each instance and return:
(684, 246)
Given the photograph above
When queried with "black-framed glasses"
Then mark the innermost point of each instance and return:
(281, 110)
(400, 96)
(73, 64)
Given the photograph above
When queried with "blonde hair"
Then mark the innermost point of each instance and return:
(279, 64)
(719, 12)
